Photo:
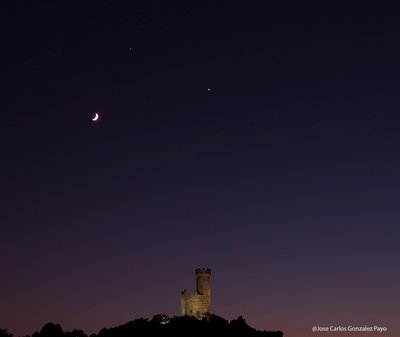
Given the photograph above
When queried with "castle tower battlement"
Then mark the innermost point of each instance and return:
(198, 303)
(203, 281)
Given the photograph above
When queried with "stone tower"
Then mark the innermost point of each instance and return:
(198, 303)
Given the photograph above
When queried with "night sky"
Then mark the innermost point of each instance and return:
(260, 139)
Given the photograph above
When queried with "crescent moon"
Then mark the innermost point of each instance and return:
(96, 117)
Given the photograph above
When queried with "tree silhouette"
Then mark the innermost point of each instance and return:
(163, 326)
(5, 333)
(75, 333)
(50, 330)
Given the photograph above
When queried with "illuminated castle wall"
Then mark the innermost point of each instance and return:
(198, 303)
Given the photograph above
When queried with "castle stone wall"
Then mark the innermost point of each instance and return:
(198, 303)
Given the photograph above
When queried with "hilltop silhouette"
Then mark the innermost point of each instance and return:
(4, 333)
(164, 326)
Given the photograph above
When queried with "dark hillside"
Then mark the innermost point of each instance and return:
(164, 326)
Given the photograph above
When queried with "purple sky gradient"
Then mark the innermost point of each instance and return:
(283, 178)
